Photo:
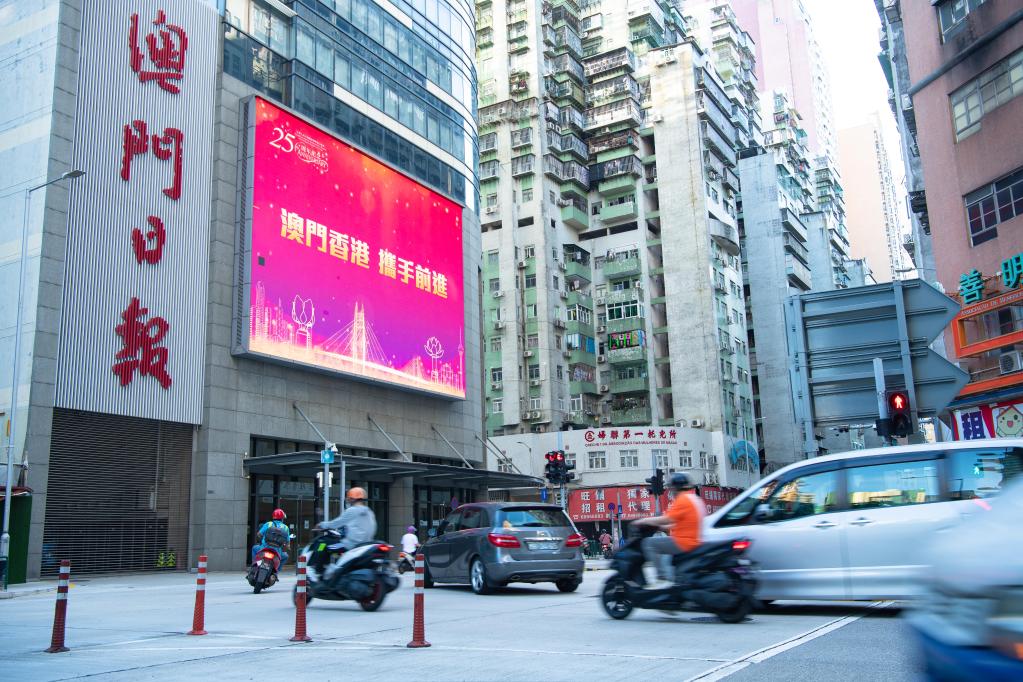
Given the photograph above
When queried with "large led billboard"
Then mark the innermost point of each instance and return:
(351, 267)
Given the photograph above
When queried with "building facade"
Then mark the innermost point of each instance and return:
(966, 71)
(607, 302)
(274, 154)
(876, 218)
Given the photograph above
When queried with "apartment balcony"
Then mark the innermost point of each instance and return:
(626, 324)
(726, 236)
(576, 387)
(621, 58)
(795, 247)
(625, 138)
(523, 165)
(791, 222)
(485, 36)
(578, 356)
(569, 65)
(621, 356)
(576, 270)
(517, 17)
(731, 180)
(520, 138)
(575, 218)
(714, 141)
(623, 296)
(579, 298)
(622, 266)
(625, 210)
(625, 111)
(633, 416)
(797, 272)
(634, 385)
(582, 418)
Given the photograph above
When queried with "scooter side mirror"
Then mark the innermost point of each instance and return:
(763, 513)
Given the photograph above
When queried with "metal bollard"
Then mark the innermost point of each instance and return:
(418, 625)
(60, 610)
(300, 588)
(199, 615)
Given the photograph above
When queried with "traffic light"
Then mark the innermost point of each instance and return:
(899, 414)
(567, 475)
(555, 469)
(656, 487)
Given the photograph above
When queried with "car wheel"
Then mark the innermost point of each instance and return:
(478, 577)
(568, 584)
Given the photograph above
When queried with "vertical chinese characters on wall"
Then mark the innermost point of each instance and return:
(157, 59)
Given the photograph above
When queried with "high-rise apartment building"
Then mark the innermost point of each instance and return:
(876, 218)
(895, 66)
(965, 63)
(613, 288)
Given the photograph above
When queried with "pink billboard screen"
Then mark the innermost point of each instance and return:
(354, 267)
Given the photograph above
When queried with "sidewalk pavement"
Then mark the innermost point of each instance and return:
(597, 564)
(33, 587)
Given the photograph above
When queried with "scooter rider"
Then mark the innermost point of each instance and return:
(278, 522)
(357, 523)
(683, 522)
(410, 541)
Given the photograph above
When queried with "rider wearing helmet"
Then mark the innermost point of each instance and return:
(357, 523)
(410, 541)
(278, 522)
(683, 522)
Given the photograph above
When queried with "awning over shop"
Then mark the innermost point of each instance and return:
(387, 470)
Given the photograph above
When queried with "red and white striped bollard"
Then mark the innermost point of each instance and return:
(199, 614)
(300, 588)
(418, 625)
(60, 610)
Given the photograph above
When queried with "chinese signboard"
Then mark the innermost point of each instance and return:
(133, 326)
(594, 504)
(971, 284)
(595, 438)
(994, 420)
(351, 266)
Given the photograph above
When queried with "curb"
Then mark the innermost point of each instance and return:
(11, 594)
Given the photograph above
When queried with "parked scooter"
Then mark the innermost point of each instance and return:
(712, 578)
(266, 563)
(362, 573)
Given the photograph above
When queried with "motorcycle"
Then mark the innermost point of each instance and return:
(712, 578)
(608, 551)
(406, 562)
(262, 573)
(362, 573)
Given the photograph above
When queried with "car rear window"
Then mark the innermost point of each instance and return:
(530, 517)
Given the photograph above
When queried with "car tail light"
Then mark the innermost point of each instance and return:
(574, 540)
(741, 545)
(500, 540)
(385, 548)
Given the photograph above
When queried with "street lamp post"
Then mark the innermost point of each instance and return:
(5, 539)
(532, 470)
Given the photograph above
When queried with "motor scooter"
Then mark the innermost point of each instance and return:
(266, 562)
(712, 578)
(362, 573)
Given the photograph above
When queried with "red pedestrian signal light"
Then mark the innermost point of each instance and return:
(900, 414)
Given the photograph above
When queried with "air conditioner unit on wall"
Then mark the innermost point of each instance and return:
(601, 358)
(696, 423)
(1010, 362)
(491, 210)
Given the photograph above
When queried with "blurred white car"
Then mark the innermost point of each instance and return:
(970, 622)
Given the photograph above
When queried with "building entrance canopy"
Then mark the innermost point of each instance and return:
(307, 463)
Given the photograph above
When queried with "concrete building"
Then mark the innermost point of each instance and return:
(895, 66)
(965, 64)
(157, 424)
(608, 301)
(876, 217)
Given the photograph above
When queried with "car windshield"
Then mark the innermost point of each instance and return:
(538, 517)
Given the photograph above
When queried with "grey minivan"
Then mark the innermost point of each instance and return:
(491, 544)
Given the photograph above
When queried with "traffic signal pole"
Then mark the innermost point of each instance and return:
(657, 498)
(882, 402)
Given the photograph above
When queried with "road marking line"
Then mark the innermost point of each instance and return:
(767, 652)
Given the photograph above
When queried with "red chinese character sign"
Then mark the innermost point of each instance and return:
(353, 267)
(135, 299)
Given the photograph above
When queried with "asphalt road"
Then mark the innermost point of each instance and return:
(133, 628)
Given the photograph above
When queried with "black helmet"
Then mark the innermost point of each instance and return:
(681, 481)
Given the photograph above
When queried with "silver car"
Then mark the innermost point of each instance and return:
(855, 525)
(491, 544)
